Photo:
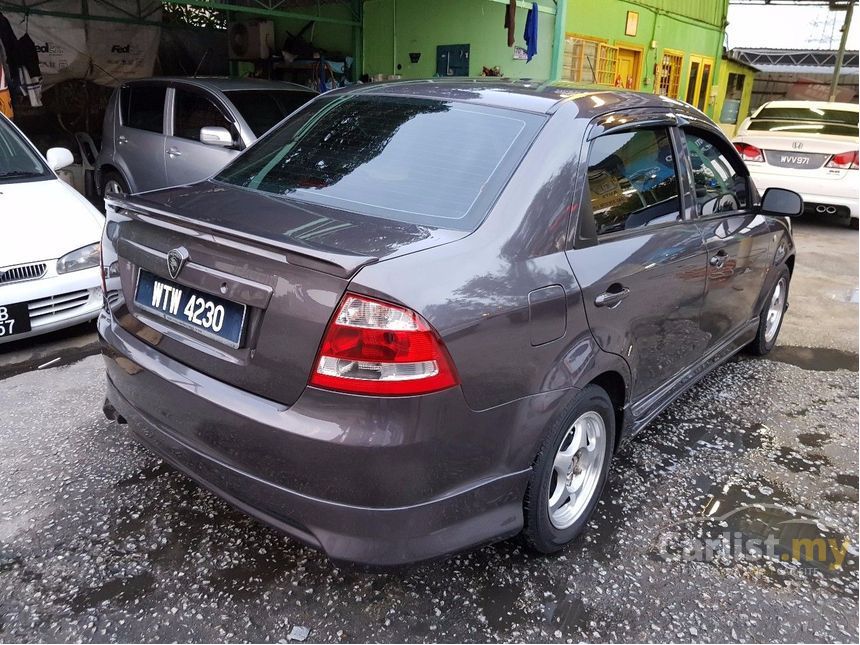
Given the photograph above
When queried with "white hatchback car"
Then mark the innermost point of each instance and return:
(810, 147)
(50, 275)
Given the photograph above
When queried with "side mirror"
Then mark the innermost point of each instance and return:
(213, 136)
(780, 202)
(59, 158)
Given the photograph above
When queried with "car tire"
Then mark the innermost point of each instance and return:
(772, 315)
(853, 223)
(112, 181)
(550, 523)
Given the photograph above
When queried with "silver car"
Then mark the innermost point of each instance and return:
(172, 131)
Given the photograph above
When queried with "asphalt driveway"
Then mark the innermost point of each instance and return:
(100, 541)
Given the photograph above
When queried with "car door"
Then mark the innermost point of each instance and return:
(140, 135)
(187, 159)
(639, 257)
(737, 238)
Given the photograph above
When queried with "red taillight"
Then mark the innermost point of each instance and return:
(844, 161)
(372, 347)
(748, 152)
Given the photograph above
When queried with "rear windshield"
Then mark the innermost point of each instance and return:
(806, 120)
(263, 109)
(412, 160)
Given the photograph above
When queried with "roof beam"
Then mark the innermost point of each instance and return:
(262, 11)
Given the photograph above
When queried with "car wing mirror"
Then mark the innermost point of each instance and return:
(214, 136)
(58, 158)
(779, 202)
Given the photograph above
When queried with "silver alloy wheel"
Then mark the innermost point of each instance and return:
(775, 311)
(112, 186)
(576, 469)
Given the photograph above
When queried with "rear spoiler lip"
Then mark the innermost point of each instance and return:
(341, 265)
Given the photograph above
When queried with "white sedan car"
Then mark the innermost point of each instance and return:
(50, 274)
(809, 147)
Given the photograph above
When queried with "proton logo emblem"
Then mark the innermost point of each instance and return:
(176, 259)
(797, 145)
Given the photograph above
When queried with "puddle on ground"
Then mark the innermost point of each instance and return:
(798, 463)
(813, 439)
(569, 616)
(121, 590)
(815, 358)
(847, 480)
(754, 529)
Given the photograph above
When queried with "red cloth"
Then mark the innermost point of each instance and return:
(510, 21)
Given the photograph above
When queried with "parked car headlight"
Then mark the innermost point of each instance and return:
(83, 258)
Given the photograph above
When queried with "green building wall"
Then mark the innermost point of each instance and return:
(694, 27)
(394, 28)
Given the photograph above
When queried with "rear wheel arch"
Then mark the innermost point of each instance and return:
(108, 169)
(614, 384)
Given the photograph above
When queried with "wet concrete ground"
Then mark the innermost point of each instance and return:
(100, 541)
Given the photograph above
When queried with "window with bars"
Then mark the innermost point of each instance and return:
(589, 61)
(607, 64)
(670, 74)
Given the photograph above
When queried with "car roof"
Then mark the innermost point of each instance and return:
(822, 105)
(225, 84)
(524, 94)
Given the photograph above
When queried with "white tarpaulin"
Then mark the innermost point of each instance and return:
(98, 50)
(120, 52)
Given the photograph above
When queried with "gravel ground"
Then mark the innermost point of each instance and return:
(100, 541)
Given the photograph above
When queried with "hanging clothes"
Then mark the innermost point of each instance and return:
(5, 95)
(531, 32)
(30, 75)
(510, 21)
(9, 46)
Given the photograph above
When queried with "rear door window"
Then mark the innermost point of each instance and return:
(142, 107)
(413, 160)
(633, 181)
(720, 183)
(263, 109)
(193, 111)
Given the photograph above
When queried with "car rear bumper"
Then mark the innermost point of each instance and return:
(232, 443)
(840, 193)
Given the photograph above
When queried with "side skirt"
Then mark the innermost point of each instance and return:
(643, 411)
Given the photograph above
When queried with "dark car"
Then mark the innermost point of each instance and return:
(422, 316)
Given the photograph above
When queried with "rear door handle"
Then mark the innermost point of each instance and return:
(719, 259)
(173, 152)
(612, 297)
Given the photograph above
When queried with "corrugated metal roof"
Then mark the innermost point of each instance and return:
(798, 58)
(847, 73)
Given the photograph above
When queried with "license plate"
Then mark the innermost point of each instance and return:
(207, 314)
(14, 319)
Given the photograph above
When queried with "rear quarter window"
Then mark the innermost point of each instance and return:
(419, 161)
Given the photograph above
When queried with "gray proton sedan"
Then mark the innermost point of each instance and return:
(422, 316)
